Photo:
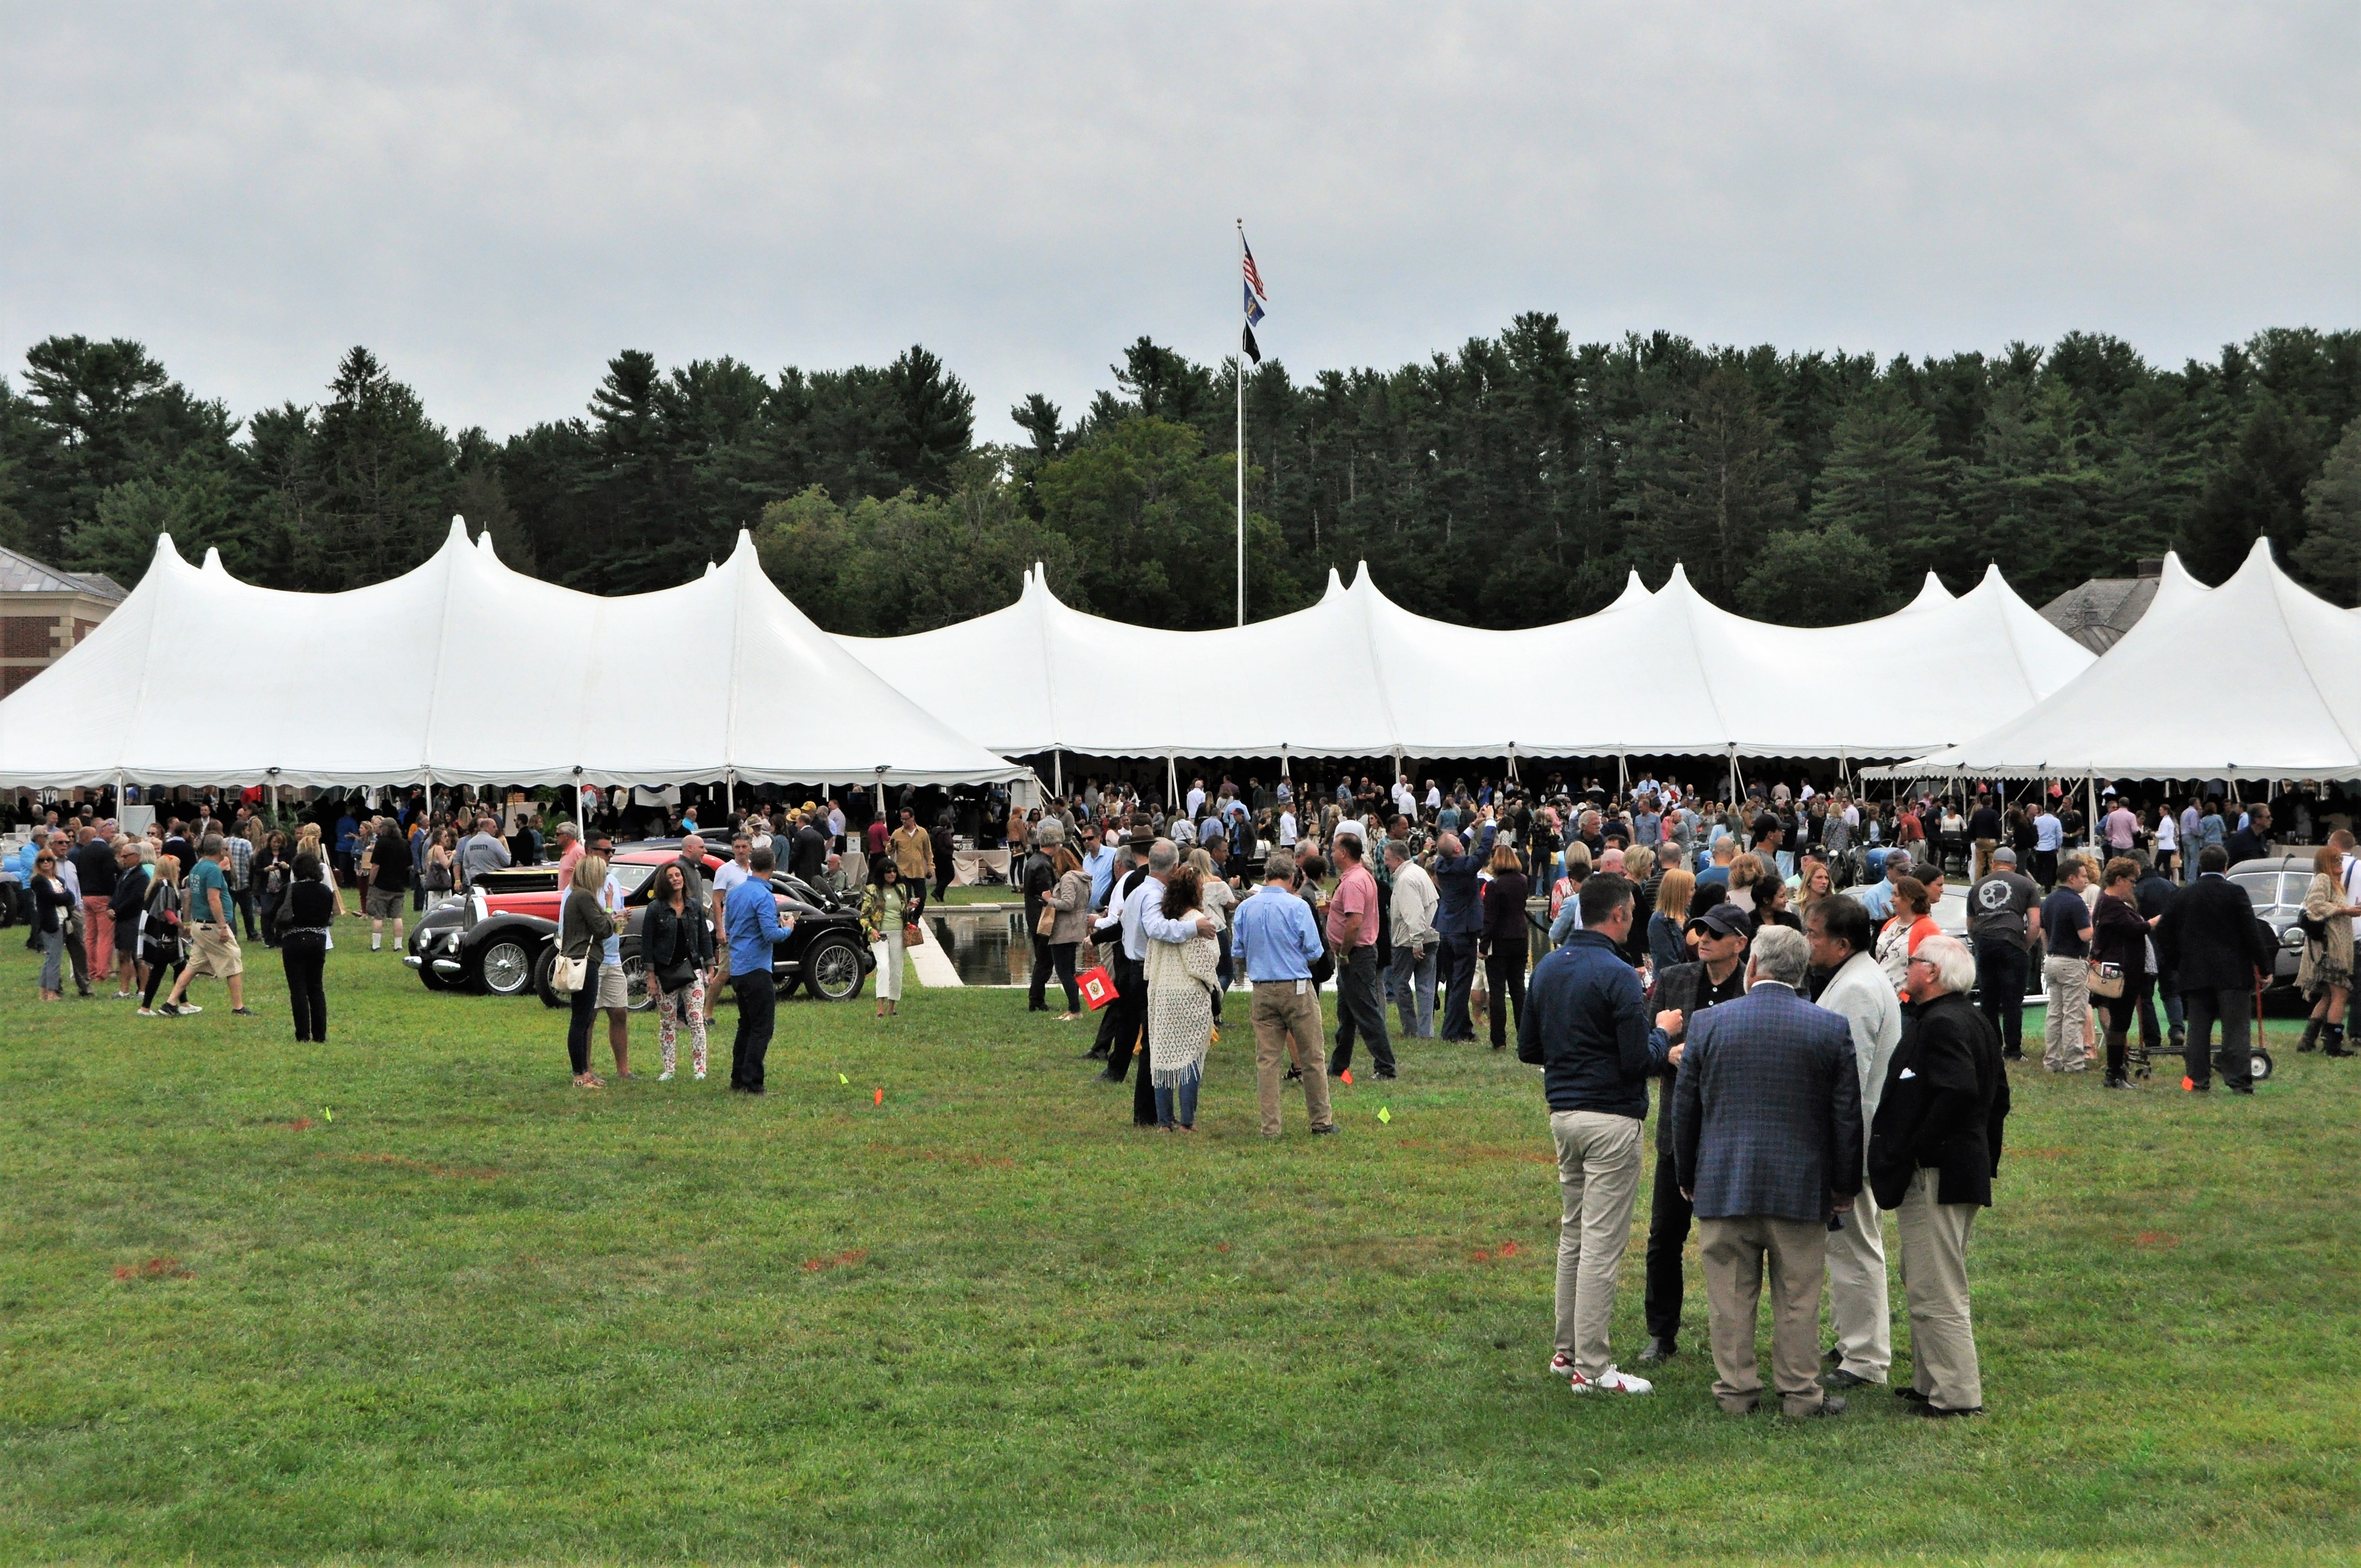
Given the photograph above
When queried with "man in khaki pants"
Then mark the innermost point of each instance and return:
(1585, 1024)
(1933, 1152)
(1766, 1131)
(1275, 941)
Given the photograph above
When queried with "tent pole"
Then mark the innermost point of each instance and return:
(1622, 775)
(2092, 819)
(1057, 771)
(730, 796)
(1171, 784)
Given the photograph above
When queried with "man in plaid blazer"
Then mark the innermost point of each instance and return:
(1767, 1133)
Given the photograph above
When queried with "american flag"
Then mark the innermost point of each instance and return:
(1254, 279)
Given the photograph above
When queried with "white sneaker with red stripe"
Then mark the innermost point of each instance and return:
(1561, 1364)
(1610, 1382)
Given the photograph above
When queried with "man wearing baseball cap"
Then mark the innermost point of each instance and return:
(1719, 937)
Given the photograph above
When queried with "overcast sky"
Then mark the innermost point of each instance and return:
(495, 201)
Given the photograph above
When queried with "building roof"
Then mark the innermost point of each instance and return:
(20, 574)
(2098, 613)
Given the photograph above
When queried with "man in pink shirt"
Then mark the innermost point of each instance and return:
(2120, 827)
(1353, 936)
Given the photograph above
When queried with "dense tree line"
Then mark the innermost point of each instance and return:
(1513, 482)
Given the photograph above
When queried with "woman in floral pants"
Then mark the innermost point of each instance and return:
(676, 942)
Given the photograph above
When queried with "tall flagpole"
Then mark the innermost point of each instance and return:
(1242, 436)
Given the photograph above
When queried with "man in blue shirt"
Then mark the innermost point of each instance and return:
(1098, 858)
(1458, 922)
(1275, 938)
(1878, 896)
(755, 928)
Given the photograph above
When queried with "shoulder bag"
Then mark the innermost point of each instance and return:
(567, 975)
(2106, 979)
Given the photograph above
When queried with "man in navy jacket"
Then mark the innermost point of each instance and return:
(1585, 1024)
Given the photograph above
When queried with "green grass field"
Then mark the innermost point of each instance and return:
(412, 1296)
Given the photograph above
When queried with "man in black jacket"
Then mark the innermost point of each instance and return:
(2252, 842)
(1933, 1151)
(2210, 944)
(1037, 878)
(1718, 976)
(1585, 1024)
(2155, 893)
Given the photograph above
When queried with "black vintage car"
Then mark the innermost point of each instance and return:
(499, 937)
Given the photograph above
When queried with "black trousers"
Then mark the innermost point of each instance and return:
(577, 1025)
(1504, 977)
(758, 1013)
(155, 969)
(2001, 971)
(1033, 1002)
(2235, 1007)
(1061, 954)
(307, 962)
(1122, 1020)
(1457, 963)
(1669, 1216)
(244, 898)
(1361, 1012)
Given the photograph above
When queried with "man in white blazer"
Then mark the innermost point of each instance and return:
(1842, 936)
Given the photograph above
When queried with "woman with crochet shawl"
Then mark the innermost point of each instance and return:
(1181, 981)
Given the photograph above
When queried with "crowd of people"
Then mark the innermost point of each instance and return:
(1821, 1049)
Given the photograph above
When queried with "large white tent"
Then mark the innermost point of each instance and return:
(1660, 673)
(2257, 679)
(471, 674)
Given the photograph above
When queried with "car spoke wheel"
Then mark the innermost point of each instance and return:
(635, 984)
(832, 970)
(507, 968)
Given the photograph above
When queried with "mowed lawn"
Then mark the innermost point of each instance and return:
(412, 1296)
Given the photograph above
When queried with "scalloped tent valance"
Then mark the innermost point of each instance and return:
(479, 675)
(1651, 675)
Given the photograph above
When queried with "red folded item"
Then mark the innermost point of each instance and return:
(1098, 986)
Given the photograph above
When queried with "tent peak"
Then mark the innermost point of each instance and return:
(745, 545)
(214, 562)
(164, 547)
(459, 530)
(710, 569)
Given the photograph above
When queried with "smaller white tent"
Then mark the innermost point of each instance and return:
(478, 674)
(2256, 679)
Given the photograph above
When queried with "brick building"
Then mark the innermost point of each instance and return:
(43, 612)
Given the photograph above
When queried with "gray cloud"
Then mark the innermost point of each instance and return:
(496, 203)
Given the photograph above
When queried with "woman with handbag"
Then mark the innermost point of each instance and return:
(269, 879)
(440, 858)
(306, 912)
(163, 940)
(677, 945)
(2325, 975)
(52, 903)
(887, 911)
(583, 927)
(2118, 964)
(1067, 909)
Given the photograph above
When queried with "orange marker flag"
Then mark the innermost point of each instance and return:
(1346, 1076)
(881, 1098)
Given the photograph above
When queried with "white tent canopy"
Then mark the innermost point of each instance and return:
(1651, 675)
(2254, 679)
(479, 675)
